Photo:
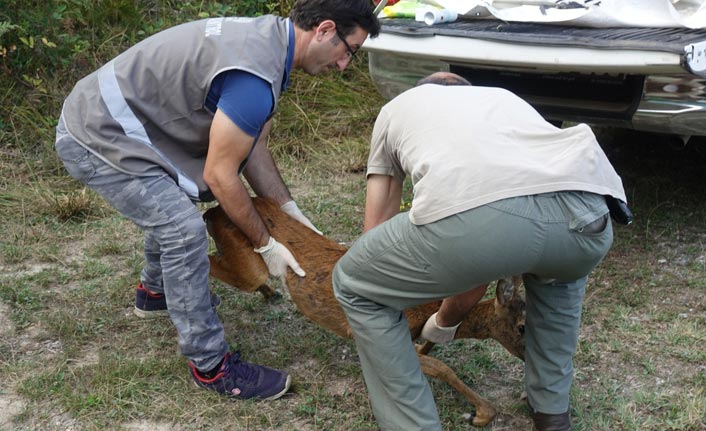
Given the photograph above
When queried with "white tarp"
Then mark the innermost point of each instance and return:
(587, 13)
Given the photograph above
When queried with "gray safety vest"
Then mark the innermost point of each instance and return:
(146, 106)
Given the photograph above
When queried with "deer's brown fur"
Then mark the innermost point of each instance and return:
(235, 263)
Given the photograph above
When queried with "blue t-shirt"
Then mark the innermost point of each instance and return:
(245, 98)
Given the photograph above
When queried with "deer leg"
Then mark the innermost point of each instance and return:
(248, 279)
(433, 367)
(218, 271)
(267, 292)
(424, 349)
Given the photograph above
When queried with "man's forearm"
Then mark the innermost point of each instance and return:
(382, 200)
(455, 308)
(262, 173)
(228, 148)
(237, 204)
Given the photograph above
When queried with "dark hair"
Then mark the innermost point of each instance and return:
(443, 78)
(347, 14)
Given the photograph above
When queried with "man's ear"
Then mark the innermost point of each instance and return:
(324, 28)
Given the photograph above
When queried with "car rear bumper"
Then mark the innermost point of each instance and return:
(644, 92)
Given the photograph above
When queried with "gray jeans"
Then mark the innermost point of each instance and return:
(176, 260)
(554, 239)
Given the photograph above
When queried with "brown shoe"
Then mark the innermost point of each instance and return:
(547, 422)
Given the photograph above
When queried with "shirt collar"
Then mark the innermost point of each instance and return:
(290, 55)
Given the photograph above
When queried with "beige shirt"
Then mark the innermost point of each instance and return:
(464, 147)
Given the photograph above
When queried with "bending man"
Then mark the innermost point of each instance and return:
(497, 191)
(175, 120)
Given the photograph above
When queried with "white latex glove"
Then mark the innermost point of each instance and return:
(277, 258)
(293, 210)
(438, 334)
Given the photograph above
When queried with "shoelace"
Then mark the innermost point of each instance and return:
(245, 371)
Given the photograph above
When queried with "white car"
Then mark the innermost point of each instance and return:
(648, 79)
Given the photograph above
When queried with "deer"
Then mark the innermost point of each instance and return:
(235, 263)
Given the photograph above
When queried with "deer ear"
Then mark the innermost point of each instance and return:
(504, 290)
(516, 283)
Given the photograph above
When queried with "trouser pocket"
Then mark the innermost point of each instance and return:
(595, 227)
(76, 159)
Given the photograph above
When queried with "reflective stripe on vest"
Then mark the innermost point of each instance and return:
(121, 112)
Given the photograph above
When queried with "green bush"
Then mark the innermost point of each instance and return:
(46, 46)
(68, 38)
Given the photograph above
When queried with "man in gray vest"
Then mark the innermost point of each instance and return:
(175, 120)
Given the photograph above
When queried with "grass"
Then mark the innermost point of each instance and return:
(73, 356)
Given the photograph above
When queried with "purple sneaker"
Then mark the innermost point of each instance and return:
(149, 305)
(243, 380)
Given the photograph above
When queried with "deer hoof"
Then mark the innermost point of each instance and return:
(424, 349)
(483, 416)
(268, 293)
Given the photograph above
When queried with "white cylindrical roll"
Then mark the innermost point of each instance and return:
(435, 16)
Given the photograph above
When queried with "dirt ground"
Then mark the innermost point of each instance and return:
(640, 363)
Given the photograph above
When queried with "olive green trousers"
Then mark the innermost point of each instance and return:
(553, 239)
